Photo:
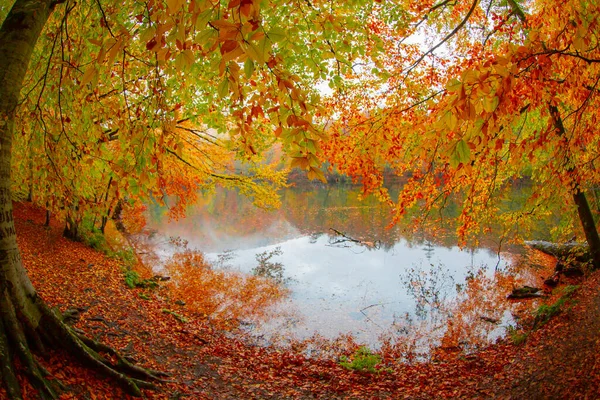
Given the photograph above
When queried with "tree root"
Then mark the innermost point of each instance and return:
(15, 338)
(123, 365)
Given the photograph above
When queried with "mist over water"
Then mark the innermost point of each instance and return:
(366, 279)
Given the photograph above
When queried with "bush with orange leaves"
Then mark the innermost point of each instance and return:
(227, 297)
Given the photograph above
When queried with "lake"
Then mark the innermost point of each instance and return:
(350, 273)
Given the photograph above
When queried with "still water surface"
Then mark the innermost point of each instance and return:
(394, 282)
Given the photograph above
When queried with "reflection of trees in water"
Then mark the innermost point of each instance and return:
(431, 289)
(311, 208)
(269, 269)
(429, 250)
(455, 316)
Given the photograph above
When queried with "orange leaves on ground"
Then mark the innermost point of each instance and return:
(205, 364)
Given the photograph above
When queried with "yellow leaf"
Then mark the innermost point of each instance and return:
(233, 54)
(114, 50)
(174, 6)
(453, 85)
(315, 173)
(490, 103)
(578, 43)
(224, 24)
(299, 162)
(470, 76)
(89, 74)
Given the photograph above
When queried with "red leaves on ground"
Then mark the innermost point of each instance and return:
(207, 364)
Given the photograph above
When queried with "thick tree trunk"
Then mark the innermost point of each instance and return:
(20, 309)
(26, 323)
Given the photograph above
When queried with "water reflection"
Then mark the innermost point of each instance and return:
(349, 273)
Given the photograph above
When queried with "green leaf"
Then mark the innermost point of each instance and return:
(453, 85)
(277, 34)
(204, 36)
(248, 68)
(223, 88)
(203, 18)
(184, 60)
(461, 154)
(255, 53)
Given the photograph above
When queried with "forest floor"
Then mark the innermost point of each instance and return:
(559, 360)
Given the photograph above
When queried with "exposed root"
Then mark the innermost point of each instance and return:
(15, 338)
(123, 365)
(15, 343)
(7, 372)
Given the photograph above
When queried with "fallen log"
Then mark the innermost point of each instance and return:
(525, 292)
(576, 251)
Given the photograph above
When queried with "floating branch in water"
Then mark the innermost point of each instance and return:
(345, 239)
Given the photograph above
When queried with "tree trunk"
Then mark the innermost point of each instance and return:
(26, 322)
(589, 227)
(71, 230)
(583, 208)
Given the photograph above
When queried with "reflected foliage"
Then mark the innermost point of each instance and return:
(269, 269)
(221, 218)
(228, 298)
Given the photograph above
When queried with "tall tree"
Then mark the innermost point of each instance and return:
(107, 95)
(491, 94)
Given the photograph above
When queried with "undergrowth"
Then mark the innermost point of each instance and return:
(363, 360)
(517, 336)
(546, 311)
(133, 280)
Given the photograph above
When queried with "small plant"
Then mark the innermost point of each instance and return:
(545, 312)
(127, 256)
(518, 337)
(132, 278)
(569, 290)
(363, 360)
(95, 240)
(144, 296)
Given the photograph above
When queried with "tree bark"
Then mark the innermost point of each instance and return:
(26, 322)
(589, 227)
(583, 208)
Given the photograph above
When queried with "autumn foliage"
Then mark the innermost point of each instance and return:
(470, 112)
(226, 297)
(157, 100)
(205, 363)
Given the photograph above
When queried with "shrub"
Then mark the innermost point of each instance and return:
(363, 360)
